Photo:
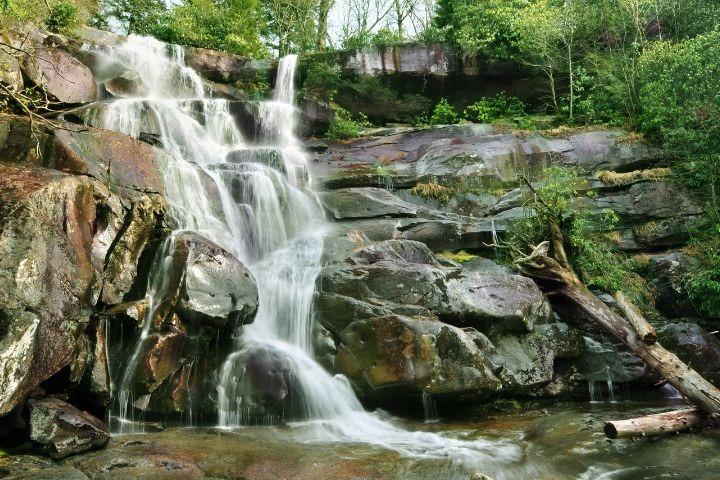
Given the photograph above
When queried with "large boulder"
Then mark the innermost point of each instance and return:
(695, 346)
(10, 74)
(66, 244)
(397, 276)
(353, 203)
(388, 357)
(63, 430)
(665, 275)
(110, 157)
(216, 287)
(62, 75)
(202, 292)
(530, 361)
(225, 67)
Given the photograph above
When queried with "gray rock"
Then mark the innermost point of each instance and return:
(665, 276)
(217, 287)
(10, 73)
(354, 203)
(528, 361)
(385, 276)
(603, 360)
(225, 67)
(386, 357)
(695, 346)
(61, 74)
(63, 430)
(496, 301)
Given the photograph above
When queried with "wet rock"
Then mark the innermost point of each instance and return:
(608, 150)
(30, 467)
(17, 143)
(61, 74)
(217, 287)
(665, 276)
(10, 74)
(647, 201)
(529, 360)
(224, 67)
(110, 157)
(390, 356)
(63, 430)
(55, 237)
(353, 203)
(603, 360)
(125, 85)
(497, 302)
(695, 346)
(398, 274)
(162, 357)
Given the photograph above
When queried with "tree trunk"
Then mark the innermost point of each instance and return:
(322, 30)
(658, 424)
(563, 282)
(645, 331)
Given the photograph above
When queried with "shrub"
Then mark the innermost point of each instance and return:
(444, 114)
(63, 17)
(385, 37)
(489, 109)
(433, 190)
(344, 126)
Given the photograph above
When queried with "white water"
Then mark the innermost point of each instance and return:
(257, 204)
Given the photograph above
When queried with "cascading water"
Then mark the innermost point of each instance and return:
(255, 201)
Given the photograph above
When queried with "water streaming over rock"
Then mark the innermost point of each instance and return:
(255, 201)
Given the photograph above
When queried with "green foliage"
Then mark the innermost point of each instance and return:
(344, 126)
(229, 25)
(479, 27)
(489, 109)
(702, 282)
(444, 114)
(558, 199)
(64, 17)
(385, 37)
(434, 191)
(61, 16)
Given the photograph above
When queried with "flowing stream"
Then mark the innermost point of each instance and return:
(255, 200)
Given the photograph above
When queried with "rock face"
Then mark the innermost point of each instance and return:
(68, 245)
(202, 293)
(392, 356)
(63, 430)
(665, 276)
(695, 346)
(10, 73)
(398, 276)
(61, 74)
(224, 67)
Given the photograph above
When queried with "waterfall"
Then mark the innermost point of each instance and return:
(255, 201)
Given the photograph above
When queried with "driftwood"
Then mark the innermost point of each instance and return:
(658, 424)
(645, 331)
(557, 278)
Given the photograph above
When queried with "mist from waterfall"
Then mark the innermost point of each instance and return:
(254, 199)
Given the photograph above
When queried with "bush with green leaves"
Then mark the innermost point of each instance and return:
(444, 113)
(489, 109)
(557, 198)
(344, 126)
(64, 17)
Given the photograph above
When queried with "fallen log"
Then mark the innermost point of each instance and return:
(657, 424)
(561, 281)
(635, 318)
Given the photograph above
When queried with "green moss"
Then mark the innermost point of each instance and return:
(458, 257)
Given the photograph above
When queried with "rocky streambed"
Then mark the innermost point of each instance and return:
(413, 306)
(561, 442)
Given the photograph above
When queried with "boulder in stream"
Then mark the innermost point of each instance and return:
(63, 430)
